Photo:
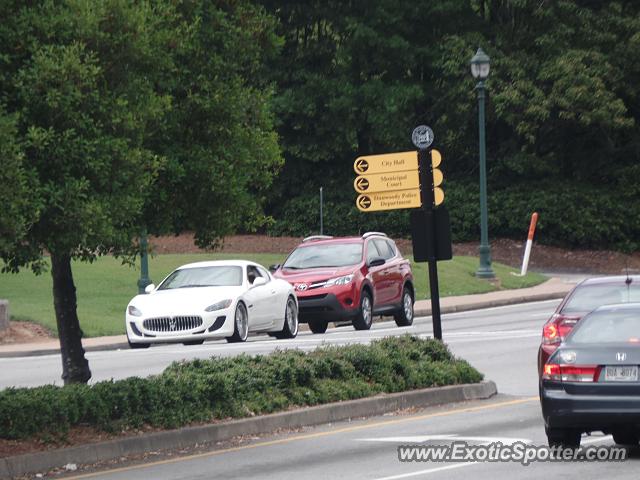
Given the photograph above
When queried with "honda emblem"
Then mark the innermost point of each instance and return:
(621, 356)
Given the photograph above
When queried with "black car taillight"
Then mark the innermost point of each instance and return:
(571, 373)
(556, 330)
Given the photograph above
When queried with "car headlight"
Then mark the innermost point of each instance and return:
(133, 311)
(339, 281)
(219, 306)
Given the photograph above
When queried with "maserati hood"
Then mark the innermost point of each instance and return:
(183, 300)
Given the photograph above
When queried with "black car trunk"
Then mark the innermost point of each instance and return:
(610, 355)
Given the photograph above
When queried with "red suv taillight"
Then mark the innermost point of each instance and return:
(557, 328)
(571, 373)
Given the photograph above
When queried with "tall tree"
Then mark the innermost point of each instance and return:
(219, 140)
(126, 113)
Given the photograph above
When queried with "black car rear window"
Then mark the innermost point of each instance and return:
(327, 255)
(588, 297)
(608, 326)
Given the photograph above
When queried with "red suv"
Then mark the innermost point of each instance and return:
(350, 278)
(585, 297)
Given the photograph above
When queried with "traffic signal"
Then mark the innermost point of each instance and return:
(438, 177)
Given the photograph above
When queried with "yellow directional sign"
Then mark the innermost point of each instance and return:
(373, 202)
(436, 158)
(438, 177)
(389, 162)
(386, 182)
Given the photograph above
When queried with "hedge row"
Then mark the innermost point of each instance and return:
(203, 390)
(571, 215)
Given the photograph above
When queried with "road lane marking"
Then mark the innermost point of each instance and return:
(391, 323)
(334, 340)
(493, 332)
(514, 306)
(384, 326)
(309, 436)
(596, 440)
(428, 471)
(453, 437)
(452, 337)
(457, 341)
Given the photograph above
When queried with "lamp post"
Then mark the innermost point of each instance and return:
(480, 71)
(144, 263)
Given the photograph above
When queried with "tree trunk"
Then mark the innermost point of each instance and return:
(75, 368)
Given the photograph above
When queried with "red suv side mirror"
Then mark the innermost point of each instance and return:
(376, 262)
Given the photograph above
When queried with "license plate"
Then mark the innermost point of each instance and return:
(621, 373)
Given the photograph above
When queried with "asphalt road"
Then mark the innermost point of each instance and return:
(368, 449)
(501, 342)
(494, 341)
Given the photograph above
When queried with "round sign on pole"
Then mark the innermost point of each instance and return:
(422, 137)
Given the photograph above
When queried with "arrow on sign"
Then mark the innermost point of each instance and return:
(364, 202)
(362, 166)
(362, 184)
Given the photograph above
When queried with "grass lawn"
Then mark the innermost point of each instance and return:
(105, 287)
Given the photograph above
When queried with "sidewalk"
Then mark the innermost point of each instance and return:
(551, 289)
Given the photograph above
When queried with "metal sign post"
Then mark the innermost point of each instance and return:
(422, 138)
(393, 181)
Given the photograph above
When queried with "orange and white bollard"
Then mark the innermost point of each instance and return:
(527, 248)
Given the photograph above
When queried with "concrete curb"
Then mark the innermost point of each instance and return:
(538, 297)
(56, 351)
(87, 454)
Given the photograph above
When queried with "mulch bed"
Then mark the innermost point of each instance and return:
(505, 251)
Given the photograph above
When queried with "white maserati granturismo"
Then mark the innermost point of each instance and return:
(218, 299)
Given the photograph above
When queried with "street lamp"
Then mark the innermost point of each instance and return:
(480, 71)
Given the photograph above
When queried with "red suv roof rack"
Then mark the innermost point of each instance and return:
(371, 234)
(314, 238)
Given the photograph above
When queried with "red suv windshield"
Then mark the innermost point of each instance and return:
(327, 255)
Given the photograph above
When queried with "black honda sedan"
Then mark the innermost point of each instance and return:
(591, 382)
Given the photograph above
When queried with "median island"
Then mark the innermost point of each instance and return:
(209, 391)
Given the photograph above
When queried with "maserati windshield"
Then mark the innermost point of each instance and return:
(218, 276)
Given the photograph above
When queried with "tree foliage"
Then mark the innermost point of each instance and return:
(17, 211)
(121, 115)
(562, 106)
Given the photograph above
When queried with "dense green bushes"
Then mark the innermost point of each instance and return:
(203, 390)
(571, 215)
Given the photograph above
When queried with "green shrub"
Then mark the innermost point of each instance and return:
(202, 390)
(571, 215)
